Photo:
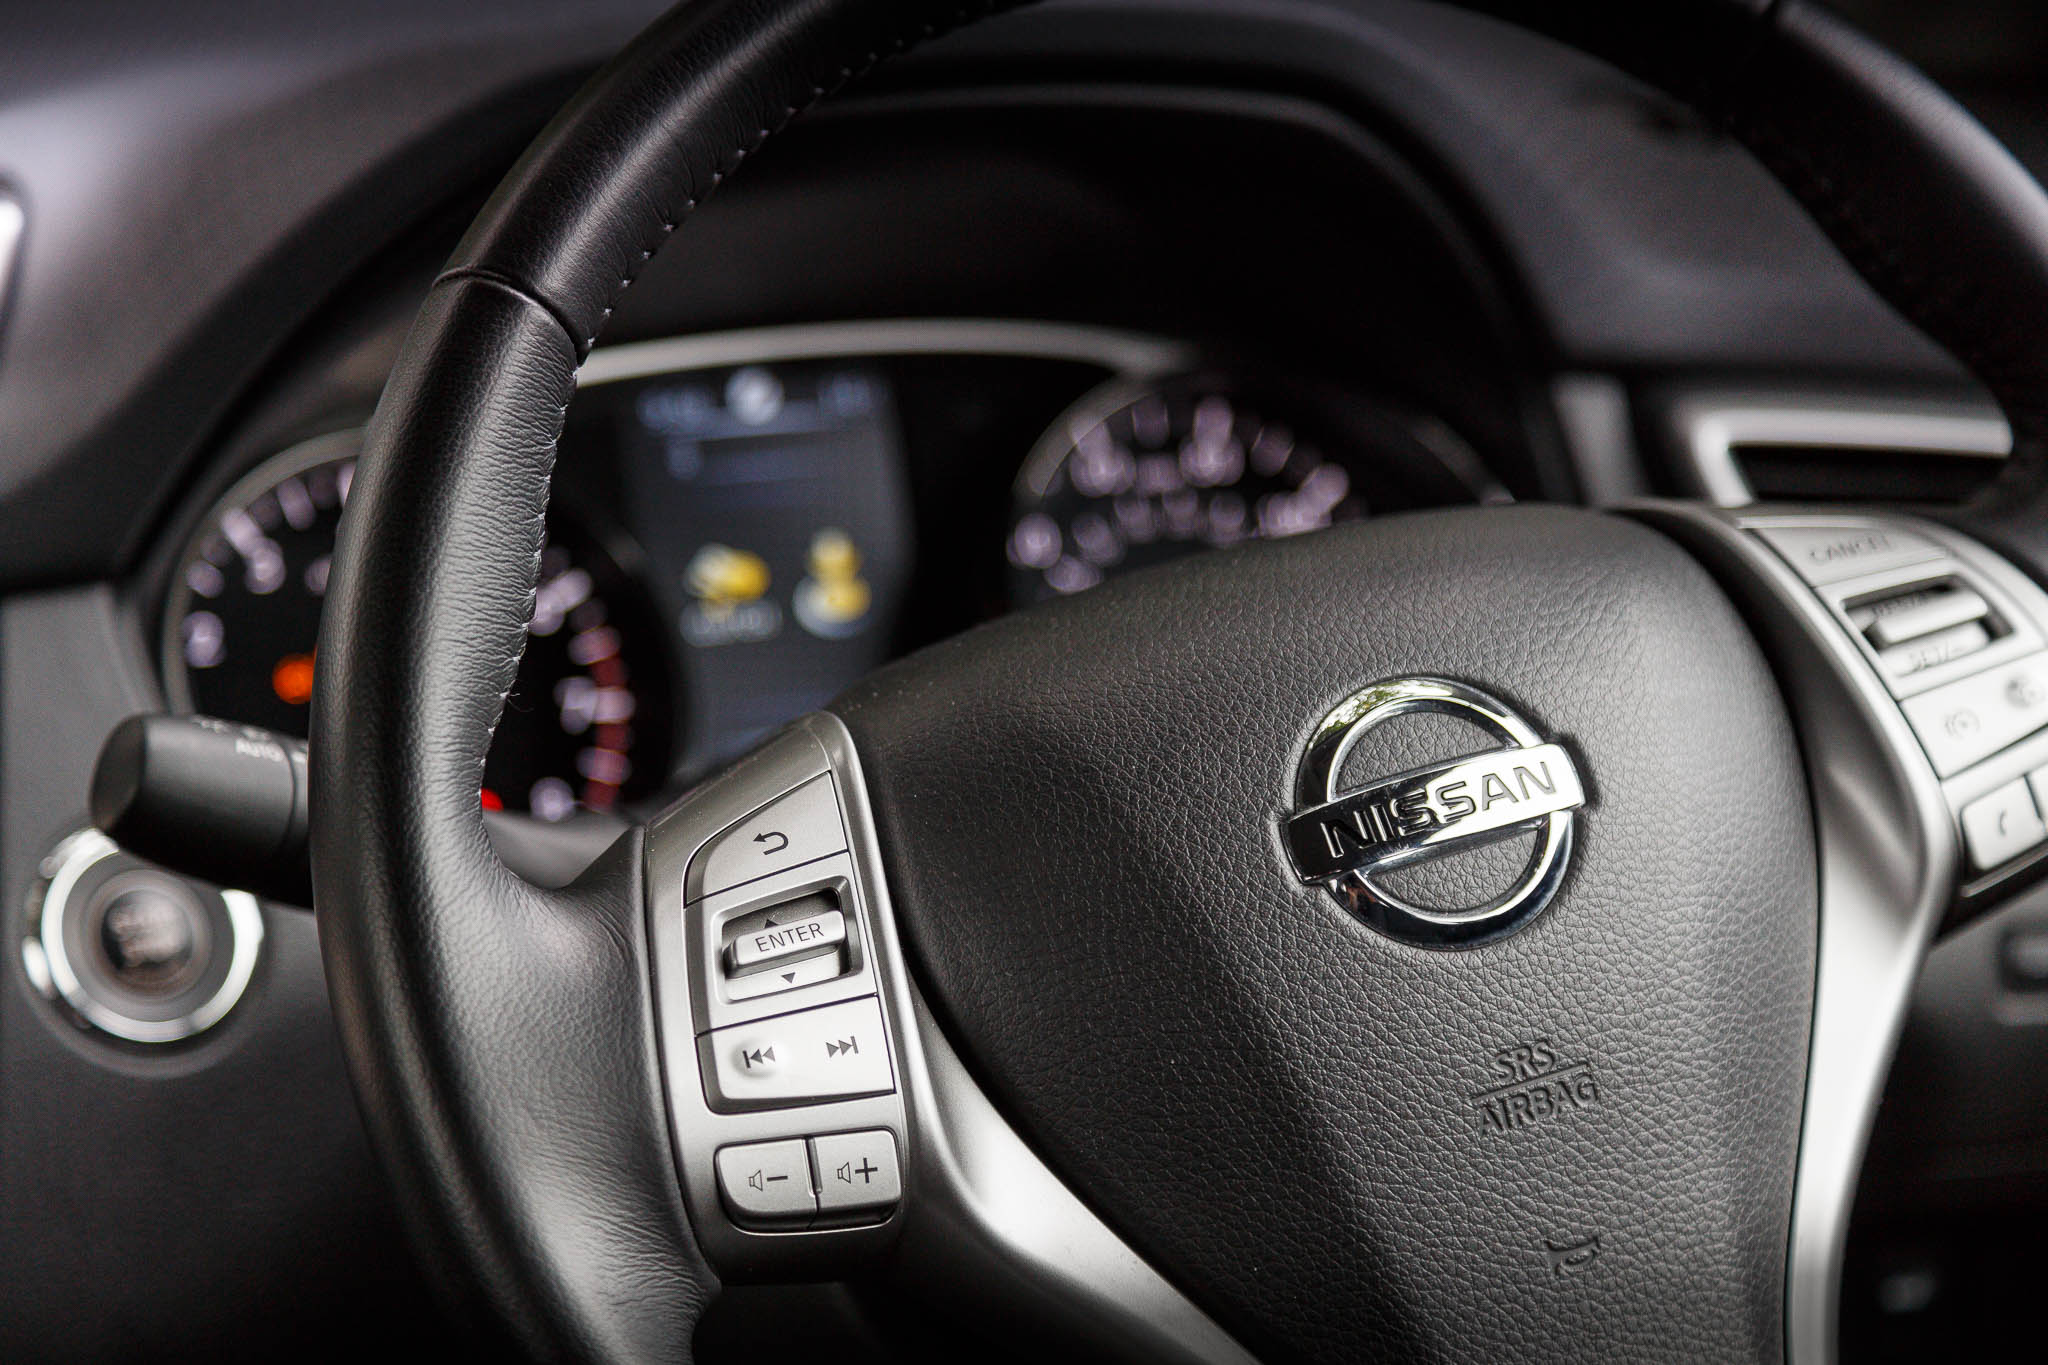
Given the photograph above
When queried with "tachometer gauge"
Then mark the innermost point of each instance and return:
(588, 724)
(1137, 474)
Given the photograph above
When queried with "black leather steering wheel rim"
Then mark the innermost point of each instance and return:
(527, 1156)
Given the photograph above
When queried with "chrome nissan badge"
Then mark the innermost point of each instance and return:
(1353, 842)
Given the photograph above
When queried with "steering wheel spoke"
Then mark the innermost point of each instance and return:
(824, 1126)
(1912, 659)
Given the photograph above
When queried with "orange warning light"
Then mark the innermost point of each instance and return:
(292, 679)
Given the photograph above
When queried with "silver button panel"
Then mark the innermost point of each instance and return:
(778, 1033)
(1960, 638)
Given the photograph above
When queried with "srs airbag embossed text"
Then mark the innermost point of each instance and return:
(1538, 1084)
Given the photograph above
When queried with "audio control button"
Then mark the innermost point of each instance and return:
(857, 1172)
(837, 1052)
(767, 1183)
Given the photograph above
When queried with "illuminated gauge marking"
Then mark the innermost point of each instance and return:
(587, 725)
(1135, 475)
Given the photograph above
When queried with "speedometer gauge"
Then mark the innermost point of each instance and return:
(1138, 474)
(587, 725)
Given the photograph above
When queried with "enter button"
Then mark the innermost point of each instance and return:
(801, 929)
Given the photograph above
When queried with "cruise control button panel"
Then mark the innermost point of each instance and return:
(835, 1053)
(1959, 638)
(797, 828)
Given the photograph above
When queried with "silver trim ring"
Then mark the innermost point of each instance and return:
(301, 457)
(1712, 426)
(1413, 824)
(49, 962)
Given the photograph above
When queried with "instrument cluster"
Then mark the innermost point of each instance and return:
(743, 525)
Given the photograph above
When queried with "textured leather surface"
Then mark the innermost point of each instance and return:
(612, 178)
(1277, 1105)
(500, 1037)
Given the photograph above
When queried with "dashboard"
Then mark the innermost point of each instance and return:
(1077, 292)
(746, 523)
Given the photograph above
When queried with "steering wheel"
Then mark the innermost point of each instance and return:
(1468, 935)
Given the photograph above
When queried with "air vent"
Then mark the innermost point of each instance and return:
(1777, 473)
(1821, 450)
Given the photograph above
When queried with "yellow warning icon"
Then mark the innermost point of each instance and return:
(833, 600)
(720, 576)
(729, 586)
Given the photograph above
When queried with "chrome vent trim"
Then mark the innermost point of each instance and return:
(1709, 429)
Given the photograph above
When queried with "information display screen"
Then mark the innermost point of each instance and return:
(772, 508)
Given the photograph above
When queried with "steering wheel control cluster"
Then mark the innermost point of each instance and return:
(816, 1107)
(1960, 640)
(783, 1066)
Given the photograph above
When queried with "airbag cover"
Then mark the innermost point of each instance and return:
(1575, 1143)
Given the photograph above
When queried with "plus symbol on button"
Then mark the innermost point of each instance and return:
(866, 1171)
